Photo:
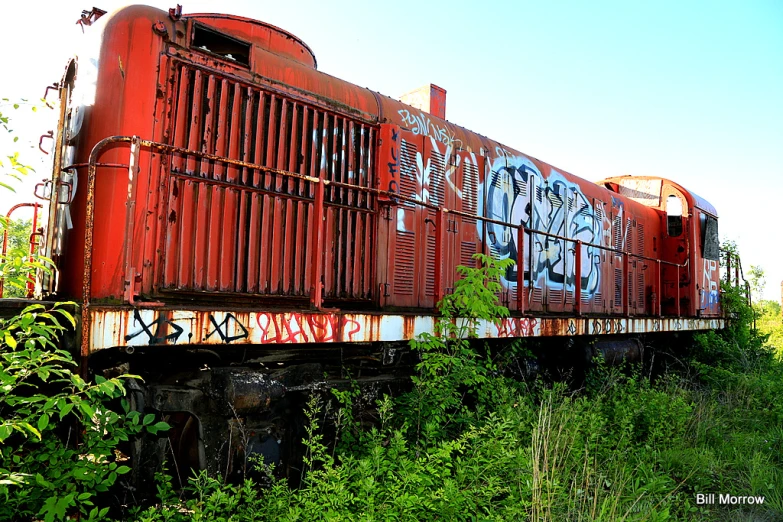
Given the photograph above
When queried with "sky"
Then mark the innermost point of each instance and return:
(691, 91)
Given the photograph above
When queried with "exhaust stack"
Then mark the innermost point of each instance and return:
(429, 98)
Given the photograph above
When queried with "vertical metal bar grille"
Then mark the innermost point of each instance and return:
(470, 206)
(247, 231)
(433, 181)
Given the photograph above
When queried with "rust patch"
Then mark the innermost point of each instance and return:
(408, 327)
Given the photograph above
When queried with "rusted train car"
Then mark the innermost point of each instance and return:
(233, 222)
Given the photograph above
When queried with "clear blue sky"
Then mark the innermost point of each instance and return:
(688, 90)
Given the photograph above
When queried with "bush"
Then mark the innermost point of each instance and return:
(59, 438)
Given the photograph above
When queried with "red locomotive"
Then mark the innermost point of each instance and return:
(217, 197)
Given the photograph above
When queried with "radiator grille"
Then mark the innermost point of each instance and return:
(249, 231)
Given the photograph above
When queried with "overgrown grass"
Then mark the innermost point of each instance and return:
(468, 443)
(624, 448)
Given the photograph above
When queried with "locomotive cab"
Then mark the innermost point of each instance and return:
(690, 246)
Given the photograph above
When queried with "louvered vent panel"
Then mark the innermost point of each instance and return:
(436, 178)
(640, 239)
(429, 269)
(585, 211)
(617, 233)
(538, 295)
(469, 190)
(247, 231)
(556, 200)
(467, 249)
(404, 263)
(640, 301)
(618, 287)
(408, 172)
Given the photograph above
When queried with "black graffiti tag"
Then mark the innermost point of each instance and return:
(571, 327)
(597, 326)
(222, 329)
(154, 338)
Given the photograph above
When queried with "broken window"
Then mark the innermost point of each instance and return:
(222, 45)
(710, 243)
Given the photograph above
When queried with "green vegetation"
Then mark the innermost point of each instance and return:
(16, 272)
(468, 444)
(58, 436)
(45, 409)
(769, 321)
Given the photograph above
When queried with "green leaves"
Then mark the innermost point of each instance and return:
(43, 405)
(158, 427)
(454, 365)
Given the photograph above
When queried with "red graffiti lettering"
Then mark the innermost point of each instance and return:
(305, 328)
(292, 324)
(350, 323)
(531, 327)
(509, 327)
(264, 328)
(322, 327)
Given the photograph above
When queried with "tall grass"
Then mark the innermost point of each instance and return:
(625, 448)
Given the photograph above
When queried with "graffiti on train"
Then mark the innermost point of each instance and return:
(516, 192)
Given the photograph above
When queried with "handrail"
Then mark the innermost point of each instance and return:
(318, 200)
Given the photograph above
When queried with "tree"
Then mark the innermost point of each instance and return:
(19, 231)
(10, 166)
(757, 281)
(16, 267)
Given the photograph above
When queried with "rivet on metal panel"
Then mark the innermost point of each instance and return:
(160, 28)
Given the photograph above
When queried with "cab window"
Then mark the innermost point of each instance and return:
(674, 216)
(710, 243)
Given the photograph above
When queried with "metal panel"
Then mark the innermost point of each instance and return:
(248, 231)
(126, 326)
(405, 226)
